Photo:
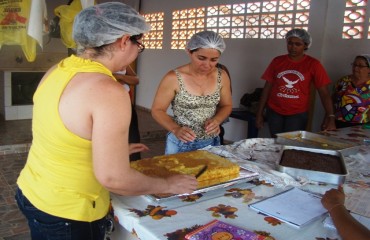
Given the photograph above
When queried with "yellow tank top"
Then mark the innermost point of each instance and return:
(58, 177)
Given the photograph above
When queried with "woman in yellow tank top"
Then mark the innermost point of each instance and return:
(81, 117)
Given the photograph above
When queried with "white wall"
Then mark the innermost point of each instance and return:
(248, 58)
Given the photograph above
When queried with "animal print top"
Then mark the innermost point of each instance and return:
(192, 111)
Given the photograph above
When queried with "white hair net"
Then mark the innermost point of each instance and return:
(104, 23)
(301, 34)
(206, 39)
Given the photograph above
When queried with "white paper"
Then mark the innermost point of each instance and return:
(295, 207)
(358, 202)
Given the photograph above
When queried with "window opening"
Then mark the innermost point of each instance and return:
(260, 19)
(354, 22)
(154, 39)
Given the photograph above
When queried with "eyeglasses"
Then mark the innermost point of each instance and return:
(135, 39)
(359, 66)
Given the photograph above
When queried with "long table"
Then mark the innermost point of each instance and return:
(145, 218)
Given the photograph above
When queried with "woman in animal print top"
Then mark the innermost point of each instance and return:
(200, 95)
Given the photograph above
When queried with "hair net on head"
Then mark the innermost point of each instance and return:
(365, 57)
(206, 39)
(104, 23)
(301, 34)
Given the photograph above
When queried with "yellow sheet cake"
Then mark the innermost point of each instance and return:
(219, 169)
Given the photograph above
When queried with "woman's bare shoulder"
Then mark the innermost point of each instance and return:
(98, 87)
(170, 77)
(183, 68)
(170, 73)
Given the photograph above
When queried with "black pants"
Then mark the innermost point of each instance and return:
(134, 134)
(44, 226)
(285, 123)
(221, 135)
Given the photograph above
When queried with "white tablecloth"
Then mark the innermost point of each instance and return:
(172, 219)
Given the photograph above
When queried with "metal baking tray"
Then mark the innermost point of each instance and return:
(315, 175)
(244, 176)
(317, 141)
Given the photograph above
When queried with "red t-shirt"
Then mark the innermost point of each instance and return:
(291, 83)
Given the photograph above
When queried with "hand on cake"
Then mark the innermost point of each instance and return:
(180, 184)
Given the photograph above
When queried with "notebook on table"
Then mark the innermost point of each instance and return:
(294, 207)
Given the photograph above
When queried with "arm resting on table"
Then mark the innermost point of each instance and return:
(348, 227)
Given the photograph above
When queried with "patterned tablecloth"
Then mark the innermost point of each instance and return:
(172, 219)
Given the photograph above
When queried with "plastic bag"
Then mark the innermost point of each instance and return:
(14, 17)
(66, 14)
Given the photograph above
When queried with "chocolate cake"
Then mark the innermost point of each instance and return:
(311, 161)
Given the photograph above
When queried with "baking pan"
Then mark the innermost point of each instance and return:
(315, 175)
(244, 176)
(317, 141)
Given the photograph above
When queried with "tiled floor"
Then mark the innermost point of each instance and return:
(14, 142)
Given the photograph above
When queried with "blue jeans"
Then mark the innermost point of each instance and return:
(44, 226)
(285, 123)
(174, 145)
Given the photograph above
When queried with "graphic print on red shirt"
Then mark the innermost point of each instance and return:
(291, 83)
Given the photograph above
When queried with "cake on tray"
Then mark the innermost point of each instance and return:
(218, 170)
(311, 161)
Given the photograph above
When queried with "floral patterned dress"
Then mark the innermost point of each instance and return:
(351, 103)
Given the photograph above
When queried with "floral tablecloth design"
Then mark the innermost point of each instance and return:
(174, 218)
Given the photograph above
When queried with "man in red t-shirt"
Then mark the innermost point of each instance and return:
(287, 89)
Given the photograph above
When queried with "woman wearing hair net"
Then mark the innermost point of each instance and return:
(286, 93)
(200, 96)
(81, 117)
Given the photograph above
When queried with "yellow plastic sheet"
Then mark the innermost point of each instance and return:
(67, 13)
(14, 17)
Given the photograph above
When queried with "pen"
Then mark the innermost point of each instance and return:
(201, 171)
(316, 195)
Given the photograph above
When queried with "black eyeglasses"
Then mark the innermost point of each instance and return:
(135, 39)
(357, 65)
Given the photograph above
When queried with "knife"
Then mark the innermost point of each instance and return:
(201, 171)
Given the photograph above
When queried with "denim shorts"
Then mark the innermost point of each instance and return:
(44, 226)
(174, 145)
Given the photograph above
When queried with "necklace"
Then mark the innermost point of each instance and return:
(204, 83)
(198, 78)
